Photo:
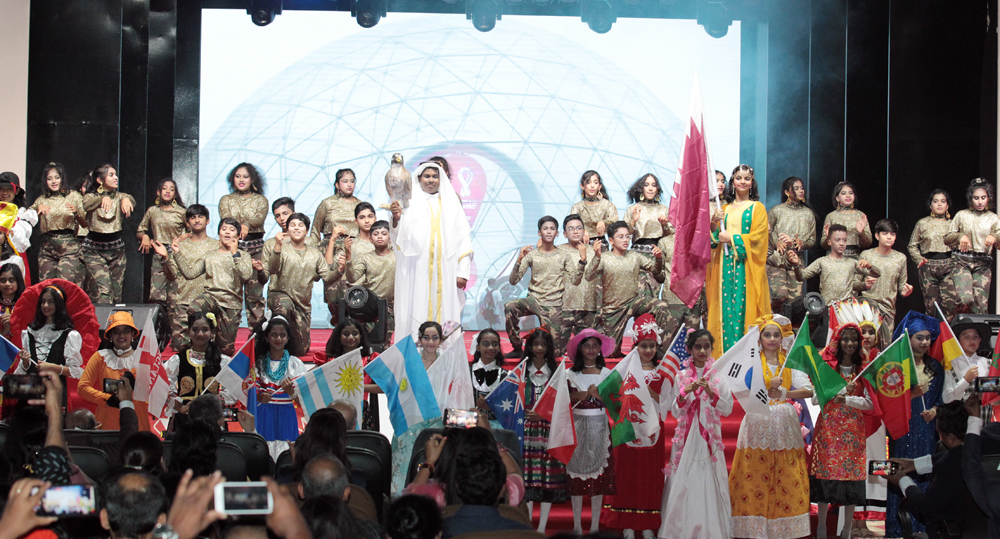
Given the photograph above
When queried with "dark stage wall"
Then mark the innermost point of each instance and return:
(897, 97)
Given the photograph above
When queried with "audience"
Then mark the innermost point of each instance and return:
(944, 497)
(133, 503)
(347, 410)
(329, 518)
(326, 432)
(207, 408)
(326, 475)
(143, 451)
(412, 517)
(985, 490)
(477, 483)
(128, 423)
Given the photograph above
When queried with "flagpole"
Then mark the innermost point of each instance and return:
(805, 323)
(906, 334)
(964, 355)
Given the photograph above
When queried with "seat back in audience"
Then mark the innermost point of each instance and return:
(229, 460)
(362, 504)
(3, 434)
(90, 437)
(374, 441)
(284, 461)
(254, 448)
(502, 534)
(367, 462)
(508, 439)
(92, 461)
(975, 523)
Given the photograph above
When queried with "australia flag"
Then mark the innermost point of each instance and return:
(507, 402)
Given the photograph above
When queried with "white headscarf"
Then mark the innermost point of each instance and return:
(416, 222)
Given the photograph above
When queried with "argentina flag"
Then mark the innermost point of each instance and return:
(400, 373)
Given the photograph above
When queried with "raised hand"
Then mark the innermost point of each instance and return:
(244, 230)
(107, 204)
(792, 257)
(861, 224)
(257, 264)
(127, 207)
(158, 248)
(597, 249)
(657, 252)
(964, 244)
(990, 241)
(907, 290)
(43, 209)
(144, 245)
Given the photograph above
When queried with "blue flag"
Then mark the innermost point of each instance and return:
(401, 375)
(8, 355)
(507, 402)
(238, 376)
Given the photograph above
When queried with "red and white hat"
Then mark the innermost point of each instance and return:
(645, 327)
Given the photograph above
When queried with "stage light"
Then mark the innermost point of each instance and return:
(362, 304)
(263, 12)
(811, 304)
(715, 17)
(598, 14)
(368, 12)
(484, 14)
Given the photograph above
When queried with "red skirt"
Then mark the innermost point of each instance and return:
(639, 471)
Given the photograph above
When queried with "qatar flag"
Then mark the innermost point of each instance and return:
(689, 207)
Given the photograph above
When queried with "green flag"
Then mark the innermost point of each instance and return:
(892, 374)
(806, 358)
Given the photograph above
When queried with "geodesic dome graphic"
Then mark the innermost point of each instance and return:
(519, 114)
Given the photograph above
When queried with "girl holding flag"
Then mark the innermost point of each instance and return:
(769, 481)
(696, 500)
(839, 466)
(592, 469)
(192, 370)
(544, 475)
(637, 507)
(275, 369)
(922, 435)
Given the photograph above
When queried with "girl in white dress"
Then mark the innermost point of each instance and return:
(696, 495)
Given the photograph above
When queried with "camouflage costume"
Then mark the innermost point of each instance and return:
(973, 269)
(60, 252)
(647, 230)
(162, 224)
(848, 216)
(549, 272)
(292, 273)
(333, 211)
(795, 220)
(937, 274)
(225, 275)
(250, 209)
(621, 299)
(190, 251)
(580, 303)
(103, 248)
(677, 311)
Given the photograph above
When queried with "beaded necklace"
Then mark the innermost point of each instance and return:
(279, 373)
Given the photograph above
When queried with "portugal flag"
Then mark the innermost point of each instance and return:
(892, 374)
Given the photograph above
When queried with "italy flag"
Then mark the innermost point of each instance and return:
(400, 373)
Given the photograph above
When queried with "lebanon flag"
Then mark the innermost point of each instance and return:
(892, 374)
(626, 397)
(689, 207)
(554, 406)
(152, 385)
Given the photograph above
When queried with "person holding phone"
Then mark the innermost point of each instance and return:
(113, 360)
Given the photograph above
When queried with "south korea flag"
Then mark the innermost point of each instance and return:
(741, 368)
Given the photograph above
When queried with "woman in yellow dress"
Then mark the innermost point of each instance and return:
(737, 287)
(769, 482)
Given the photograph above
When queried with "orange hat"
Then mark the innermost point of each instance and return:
(119, 318)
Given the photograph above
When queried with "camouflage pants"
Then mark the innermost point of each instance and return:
(228, 319)
(972, 279)
(59, 257)
(161, 289)
(648, 285)
(108, 271)
(615, 323)
(678, 314)
(335, 291)
(281, 304)
(253, 292)
(548, 318)
(573, 322)
(784, 288)
(937, 284)
(178, 326)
